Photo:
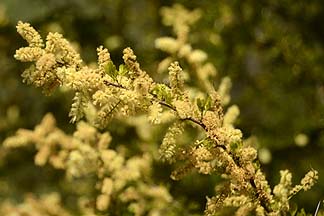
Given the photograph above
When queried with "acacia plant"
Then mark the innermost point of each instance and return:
(186, 101)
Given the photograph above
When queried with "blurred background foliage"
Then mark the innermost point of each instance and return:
(272, 50)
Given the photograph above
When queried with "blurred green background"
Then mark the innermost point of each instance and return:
(272, 50)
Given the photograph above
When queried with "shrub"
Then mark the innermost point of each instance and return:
(185, 113)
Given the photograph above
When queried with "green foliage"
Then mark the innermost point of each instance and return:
(111, 70)
(204, 104)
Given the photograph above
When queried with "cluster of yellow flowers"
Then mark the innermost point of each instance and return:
(105, 92)
(119, 179)
(49, 204)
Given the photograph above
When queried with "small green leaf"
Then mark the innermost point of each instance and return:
(162, 92)
(204, 104)
(122, 70)
(208, 103)
(208, 143)
(111, 70)
(234, 146)
(201, 104)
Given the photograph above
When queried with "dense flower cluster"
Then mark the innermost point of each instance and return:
(105, 92)
(121, 180)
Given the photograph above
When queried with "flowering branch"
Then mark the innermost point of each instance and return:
(119, 93)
